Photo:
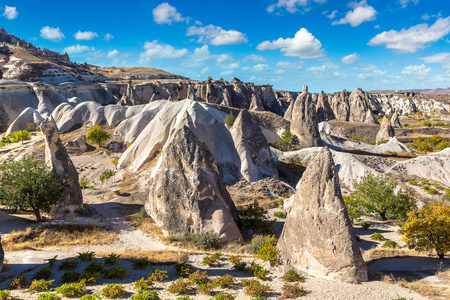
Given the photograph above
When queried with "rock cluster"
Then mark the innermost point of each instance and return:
(318, 237)
(395, 121)
(60, 163)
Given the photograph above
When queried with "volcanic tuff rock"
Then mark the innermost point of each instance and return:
(318, 237)
(29, 115)
(323, 108)
(130, 97)
(370, 118)
(386, 131)
(186, 191)
(304, 121)
(60, 163)
(253, 149)
(395, 121)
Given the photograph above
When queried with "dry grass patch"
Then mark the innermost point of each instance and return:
(146, 224)
(61, 234)
(411, 280)
(378, 253)
(156, 257)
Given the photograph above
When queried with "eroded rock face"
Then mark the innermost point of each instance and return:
(2, 253)
(60, 163)
(395, 121)
(304, 121)
(386, 131)
(323, 108)
(318, 237)
(129, 97)
(186, 191)
(370, 118)
(253, 149)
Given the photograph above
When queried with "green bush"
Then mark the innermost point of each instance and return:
(70, 276)
(40, 286)
(5, 295)
(292, 276)
(212, 260)
(20, 282)
(94, 267)
(353, 208)
(377, 237)
(116, 272)
(432, 191)
(267, 251)
(202, 240)
(229, 120)
(107, 174)
(48, 296)
(286, 142)
(32, 127)
(95, 296)
(256, 243)
(21, 136)
(258, 271)
(447, 194)
(86, 256)
(280, 214)
(224, 296)
(84, 182)
(255, 218)
(390, 244)
(291, 291)
(146, 295)
(237, 262)
(179, 287)
(43, 273)
(158, 275)
(113, 290)
(142, 263)
(182, 269)
(71, 289)
(112, 259)
(143, 284)
(223, 281)
(255, 288)
(198, 278)
(412, 182)
(51, 261)
(68, 265)
(366, 225)
(97, 135)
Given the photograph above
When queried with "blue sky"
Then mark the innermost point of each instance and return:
(327, 44)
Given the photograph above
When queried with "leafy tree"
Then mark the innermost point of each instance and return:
(229, 120)
(429, 229)
(97, 135)
(375, 193)
(286, 141)
(29, 184)
(255, 217)
(21, 136)
(353, 208)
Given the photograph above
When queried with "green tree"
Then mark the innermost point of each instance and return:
(254, 217)
(29, 184)
(375, 193)
(97, 135)
(229, 120)
(21, 136)
(428, 229)
(286, 141)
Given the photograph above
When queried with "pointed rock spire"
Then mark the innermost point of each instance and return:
(395, 121)
(386, 131)
(304, 121)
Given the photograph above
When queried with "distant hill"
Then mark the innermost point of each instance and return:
(437, 91)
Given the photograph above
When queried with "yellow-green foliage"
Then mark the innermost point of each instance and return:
(179, 287)
(292, 276)
(71, 289)
(97, 135)
(113, 290)
(267, 251)
(21, 136)
(40, 285)
(158, 275)
(428, 229)
(255, 288)
(5, 295)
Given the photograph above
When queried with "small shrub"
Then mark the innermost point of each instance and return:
(113, 290)
(256, 243)
(292, 276)
(40, 286)
(390, 244)
(254, 217)
(43, 273)
(146, 295)
(425, 182)
(5, 295)
(206, 240)
(366, 225)
(229, 120)
(447, 194)
(432, 191)
(51, 261)
(141, 263)
(237, 262)
(413, 182)
(158, 275)
(68, 265)
(198, 278)
(184, 298)
(224, 296)
(437, 186)
(86, 256)
(116, 272)
(182, 269)
(71, 289)
(112, 259)
(426, 123)
(179, 287)
(280, 214)
(267, 251)
(94, 267)
(255, 288)
(70, 276)
(292, 291)
(205, 288)
(107, 174)
(95, 296)
(212, 260)
(19, 282)
(258, 271)
(377, 237)
(143, 284)
(48, 296)
(286, 142)
(90, 277)
(223, 281)
(84, 182)
(426, 188)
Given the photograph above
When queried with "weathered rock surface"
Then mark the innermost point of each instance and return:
(79, 145)
(370, 118)
(323, 108)
(386, 131)
(256, 104)
(318, 237)
(395, 121)
(129, 97)
(304, 121)
(2, 253)
(29, 115)
(186, 191)
(253, 149)
(60, 163)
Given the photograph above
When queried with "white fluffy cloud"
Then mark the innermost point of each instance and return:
(52, 34)
(77, 49)
(293, 6)
(166, 14)
(85, 35)
(420, 70)
(437, 58)
(254, 58)
(112, 54)
(108, 37)
(10, 12)
(350, 59)
(303, 45)
(216, 36)
(199, 57)
(291, 64)
(227, 62)
(361, 12)
(156, 50)
(259, 68)
(404, 3)
(331, 15)
(414, 38)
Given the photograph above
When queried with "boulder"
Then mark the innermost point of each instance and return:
(253, 149)
(318, 237)
(370, 118)
(395, 121)
(386, 131)
(60, 163)
(2, 253)
(186, 191)
(304, 121)
(79, 145)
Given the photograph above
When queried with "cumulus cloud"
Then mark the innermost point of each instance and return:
(414, 38)
(10, 12)
(437, 58)
(259, 68)
(303, 45)
(77, 49)
(254, 58)
(52, 34)
(293, 6)
(361, 12)
(291, 64)
(108, 37)
(331, 15)
(417, 70)
(350, 59)
(85, 35)
(216, 36)
(156, 50)
(112, 54)
(404, 3)
(166, 14)
(198, 57)
(227, 62)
